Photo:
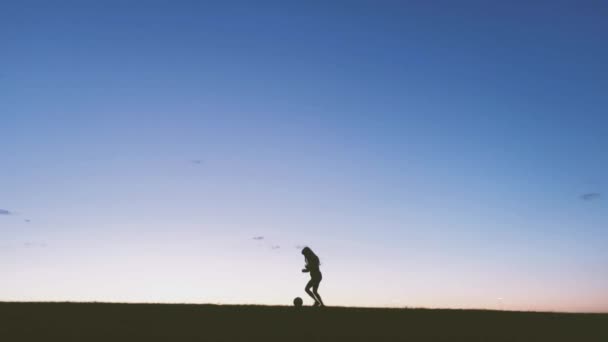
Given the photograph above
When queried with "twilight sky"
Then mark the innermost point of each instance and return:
(433, 153)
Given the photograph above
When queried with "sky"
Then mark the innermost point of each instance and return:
(432, 153)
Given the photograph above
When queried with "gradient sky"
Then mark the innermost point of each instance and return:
(433, 153)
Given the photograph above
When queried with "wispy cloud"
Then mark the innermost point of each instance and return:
(5, 212)
(275, 247)
(258, 238)
(196, 161)
(34, 245)
(591, 196)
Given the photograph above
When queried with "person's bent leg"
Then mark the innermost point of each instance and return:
(307, 289)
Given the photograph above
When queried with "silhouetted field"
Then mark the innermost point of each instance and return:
(88, 322)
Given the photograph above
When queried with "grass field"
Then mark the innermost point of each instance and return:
(167, 322)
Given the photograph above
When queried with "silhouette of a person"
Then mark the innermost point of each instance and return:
(312, 267)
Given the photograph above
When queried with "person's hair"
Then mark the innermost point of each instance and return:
(311, 257)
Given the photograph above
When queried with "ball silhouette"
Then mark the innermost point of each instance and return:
(297, 302)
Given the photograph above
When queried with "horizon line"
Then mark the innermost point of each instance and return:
(328, 307)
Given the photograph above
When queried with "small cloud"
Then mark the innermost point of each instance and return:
(34, 245)
(5, 212)
(591, 196)
(275, 247)
(196, 161)
(27, 220)
(258, 238)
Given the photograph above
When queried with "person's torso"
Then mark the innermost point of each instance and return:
(315, 272)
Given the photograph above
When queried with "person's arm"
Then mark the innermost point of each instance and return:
(305, 269)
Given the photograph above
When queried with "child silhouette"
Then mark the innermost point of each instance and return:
(312, 267)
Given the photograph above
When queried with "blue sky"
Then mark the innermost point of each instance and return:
(432, 153)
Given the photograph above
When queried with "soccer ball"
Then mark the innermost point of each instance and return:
(297, 302)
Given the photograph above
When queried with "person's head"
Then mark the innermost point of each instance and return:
(307, 251)
(310, 256)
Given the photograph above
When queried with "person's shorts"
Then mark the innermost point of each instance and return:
(316, 277)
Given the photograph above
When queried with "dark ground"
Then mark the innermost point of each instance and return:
(162, 322)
